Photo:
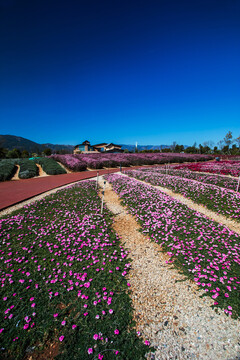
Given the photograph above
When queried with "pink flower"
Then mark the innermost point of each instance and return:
(26, 326)
(147, 342)
(95, 336)
(116, 331)
(33, 305)
(61, 338)
(74, 326)
(100, 357)
(32, 298)
(90, 351)
(110, 311)
(226, 295)
(63, 322)
(55, 315)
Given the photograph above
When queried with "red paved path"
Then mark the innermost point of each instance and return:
(15, 191)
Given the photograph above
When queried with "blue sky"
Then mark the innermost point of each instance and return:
(121, 71)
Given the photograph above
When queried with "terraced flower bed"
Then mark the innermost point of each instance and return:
(222, 201)
(79, 162)
(203, 250)
(63, 281)
(229, 167)
(218, 180)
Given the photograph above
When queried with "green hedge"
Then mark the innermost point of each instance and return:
(7, 169)
(28, 168)
(50, 166)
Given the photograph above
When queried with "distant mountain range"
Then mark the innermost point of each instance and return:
(11, 142)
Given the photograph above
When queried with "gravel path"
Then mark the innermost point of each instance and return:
(170, 314)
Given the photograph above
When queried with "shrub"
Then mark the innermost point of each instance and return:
(7, 169)
(28, 169)
(50, 166)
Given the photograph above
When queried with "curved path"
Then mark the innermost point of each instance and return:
(13, 192)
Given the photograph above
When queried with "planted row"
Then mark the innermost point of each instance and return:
(50, 166)
(80, 162)
(28, 168)
(62, 273)
(214, 179)
(229, 167)
(7, 169)
(203, 250)
(222, 201)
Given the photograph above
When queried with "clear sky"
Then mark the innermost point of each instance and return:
(153, 71)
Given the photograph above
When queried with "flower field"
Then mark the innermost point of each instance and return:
(80, 162)
(214, 179)
(63, 281)
(203, 250)
(221, 200)
(230, 167)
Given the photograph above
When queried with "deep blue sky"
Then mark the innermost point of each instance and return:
(153, 71)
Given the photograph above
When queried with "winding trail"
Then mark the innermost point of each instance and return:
(178, 323)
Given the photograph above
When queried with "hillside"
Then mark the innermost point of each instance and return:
(11, 142)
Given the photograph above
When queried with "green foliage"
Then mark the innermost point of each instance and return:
(7, 169)
(13, 154)
(25, 154)
(47, 152)
(50, 166)
(3, 152)
(28, 169)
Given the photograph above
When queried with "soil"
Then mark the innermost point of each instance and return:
(15, 176)
(40, 171)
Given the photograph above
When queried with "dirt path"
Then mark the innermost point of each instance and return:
(40, 171)
(232, 225)
(15, 176)
(64, 167)
(179, 323)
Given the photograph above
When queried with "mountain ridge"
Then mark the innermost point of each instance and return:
(11, 142)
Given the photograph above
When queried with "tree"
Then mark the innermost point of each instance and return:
(3, 152)
(179, 148)
(238, 142)
(25, 154)
(228, 138)
(14, 154)
(47, 152)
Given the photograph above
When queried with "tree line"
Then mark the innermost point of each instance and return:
(227, 146)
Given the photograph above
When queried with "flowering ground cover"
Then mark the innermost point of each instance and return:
(214, 179)
(79, 162)
(63, 281)
(203, 250)
(230, 167)
(220, 200)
